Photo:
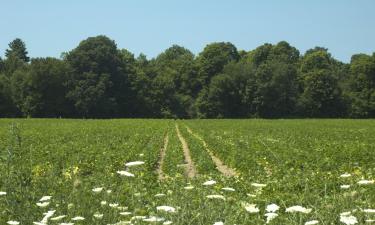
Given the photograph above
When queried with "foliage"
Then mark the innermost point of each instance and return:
(39, 90)
(362, 86)
(321, 95)
(98, 80)
(17, 49)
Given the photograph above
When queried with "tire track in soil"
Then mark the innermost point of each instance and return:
(224, 169)
(190, 168)
(163, 151)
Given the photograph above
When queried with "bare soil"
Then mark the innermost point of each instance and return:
(190, 168)
(224, 169)
(162, 157)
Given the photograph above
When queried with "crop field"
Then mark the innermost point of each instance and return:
(134, 171)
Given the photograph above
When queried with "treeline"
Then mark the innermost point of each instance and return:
(98, 80)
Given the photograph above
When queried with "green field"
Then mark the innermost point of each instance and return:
(284, 162)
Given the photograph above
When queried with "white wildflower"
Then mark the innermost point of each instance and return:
(125, 213)
(125, 173)
(209, 183)
(215, 197)
(167, 222)
(39, 223)
(298, 208)
(57, 218)
(122, 223)
(138, 217)
(251, 208)
(45, 198)
(159, 195)
(2, 193)
(153, 219)
(312, 222)
(98, 215)
(188, 187)
(165, 208)
(78, 218)
(345, 186)
(103, 203)
(257, 185)
(113, 205)
(270, 216)
(136, 163)
(348, 220)
(228, 189)
(272, 208)
(66, 223)
(345, 175)
(369, 221)
(364, 182)
(47, 216)
(109, 191)
(369, 210)
(97, 190)
(219, 223)
(12, 222)
(42, 204)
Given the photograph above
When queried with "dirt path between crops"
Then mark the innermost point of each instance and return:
(190, 168)
(163, 151)
(224, 169)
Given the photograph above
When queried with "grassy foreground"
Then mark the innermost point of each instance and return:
(325, 166)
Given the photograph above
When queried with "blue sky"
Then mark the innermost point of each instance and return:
(50, 27)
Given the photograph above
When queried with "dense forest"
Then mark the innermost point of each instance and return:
(98, 80)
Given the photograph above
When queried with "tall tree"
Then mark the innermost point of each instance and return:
(7, 106)
(125, 95)
(213, 58)
(39, 89)
(175, 83)
(362, 86)
(321, 95)
(143, 101)
(226, 96)
(1, 65)
(17, 49)
(16, 57)
(97, 76)
(273, 90)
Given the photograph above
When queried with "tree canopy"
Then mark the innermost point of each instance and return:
(98, 80)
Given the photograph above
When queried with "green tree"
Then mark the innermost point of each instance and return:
(16, 57)
(7, 106)
(175, 82)
(1, 65)
(125, 94)
(97, 77)
(212, 60)
(17, 49)
(321, 95)
(361, 88)
(141, 86)
(226, 95)
(39, 89)
(273, 89)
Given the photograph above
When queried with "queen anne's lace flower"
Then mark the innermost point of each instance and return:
(298, 208)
